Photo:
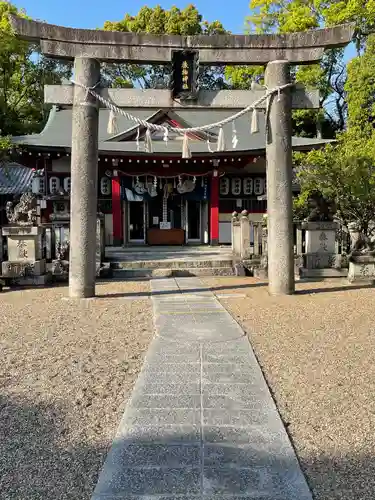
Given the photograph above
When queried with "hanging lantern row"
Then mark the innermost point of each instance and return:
(59, 186)
(246, 186)
(138, 160)
(166, 163)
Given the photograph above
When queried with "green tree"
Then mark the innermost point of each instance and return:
(23, 74)
(288, 16)
(345, 172)
(160, 21)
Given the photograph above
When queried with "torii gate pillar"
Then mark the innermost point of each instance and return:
(84, 175)
(279, 182)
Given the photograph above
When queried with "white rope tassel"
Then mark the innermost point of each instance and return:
(148, 142)
(190, 130)
(254, 122)
(137, 138)
(166, 136)
(186, 153)
(234, 136)
(112, 127)
(209, 146)
(221, 140)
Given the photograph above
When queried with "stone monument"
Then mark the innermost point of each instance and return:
(88, 47)
(362, 259)
(319, 259)
(25, 262)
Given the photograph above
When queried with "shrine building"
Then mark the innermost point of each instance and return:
(159, 198)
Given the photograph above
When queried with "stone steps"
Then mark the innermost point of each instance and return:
(123, 274)
(171, 264)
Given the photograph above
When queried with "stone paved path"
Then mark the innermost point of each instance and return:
(201, 423)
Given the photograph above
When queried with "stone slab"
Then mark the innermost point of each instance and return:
(322, 273)
(161, 98)
(261, 435)
(245, 456)
(21, 269)
(238, 417)
(24, 247)
(254, 496)
(202, 408)
(152, 481)
(155, 455)
(60, 42)
(167, 434)
(43, 280)
(22, 231)
(166, 401)
(321, 242)
(169, 273)
(361, 272)
(170, 416)
(172, 369)
(319, 260)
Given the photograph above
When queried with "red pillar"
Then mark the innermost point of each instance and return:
(214, 209)
(117, 211)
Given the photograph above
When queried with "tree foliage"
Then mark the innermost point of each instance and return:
(23, 75)
(288, 16)
(345, 172)
(344, 177)
(160, 21)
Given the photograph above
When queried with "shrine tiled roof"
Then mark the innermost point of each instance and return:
(15, 179)
(58, 132)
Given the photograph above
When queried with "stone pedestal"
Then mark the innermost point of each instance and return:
(25, 252)
(245, 235)
(236, 236)
(59, 267)
(362, 268)
(320, 258)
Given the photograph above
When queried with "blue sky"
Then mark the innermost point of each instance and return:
(93, 13)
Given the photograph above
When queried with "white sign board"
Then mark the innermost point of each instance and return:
(165, 225)
(155, 221)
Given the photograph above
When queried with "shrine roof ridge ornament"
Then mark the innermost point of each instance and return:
(67, 43)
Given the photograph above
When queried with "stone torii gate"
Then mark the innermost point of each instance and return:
(88, 47)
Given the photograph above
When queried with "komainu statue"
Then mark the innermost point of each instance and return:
(24, 212)
(361, 244)
(320, 209)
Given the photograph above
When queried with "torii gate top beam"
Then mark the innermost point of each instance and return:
(68, 43)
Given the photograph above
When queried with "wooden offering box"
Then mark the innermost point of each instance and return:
(165, 237)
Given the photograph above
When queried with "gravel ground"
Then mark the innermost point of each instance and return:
(67, 369)
(317, 349)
